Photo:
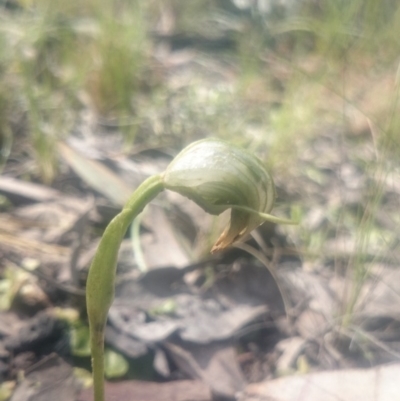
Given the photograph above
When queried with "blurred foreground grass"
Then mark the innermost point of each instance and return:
(295, 67)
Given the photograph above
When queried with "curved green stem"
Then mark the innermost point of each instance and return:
(101, 278)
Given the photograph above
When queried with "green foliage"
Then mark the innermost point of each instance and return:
(115, 364)
(6, 390)
(10, 285)
(119, 59)
(80, 340)
(52, 52)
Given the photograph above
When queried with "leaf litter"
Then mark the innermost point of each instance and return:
(194, 316)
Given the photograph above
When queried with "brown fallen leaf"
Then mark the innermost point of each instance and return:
(50, 379)
(185, 390)
(96, 175)
(162, 241)
(375, 384)
(215, 364)
(27, 191)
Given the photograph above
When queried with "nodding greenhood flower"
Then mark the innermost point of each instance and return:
(220, 176)
(217, 176)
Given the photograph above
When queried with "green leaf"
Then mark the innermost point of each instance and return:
(6, 390)
(80, 340)
(115, 365)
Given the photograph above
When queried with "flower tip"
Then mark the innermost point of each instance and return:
(240, 225)
(225, 240)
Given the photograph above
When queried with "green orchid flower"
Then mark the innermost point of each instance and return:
(220, 176)
(214, 174)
